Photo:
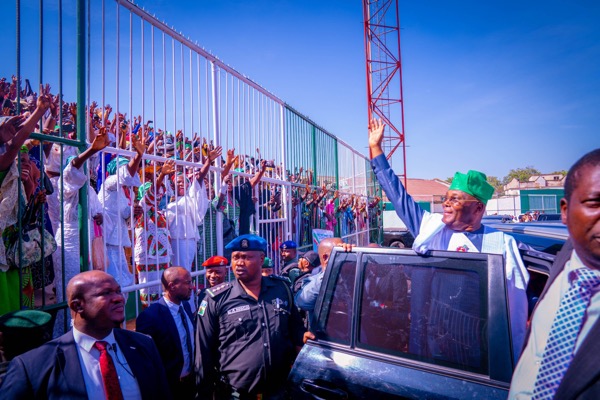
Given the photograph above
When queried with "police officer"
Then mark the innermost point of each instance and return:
(216, 272)
(267, 267)
(248, 330)
(288, 251)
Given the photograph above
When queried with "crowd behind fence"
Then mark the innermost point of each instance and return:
(154, 153)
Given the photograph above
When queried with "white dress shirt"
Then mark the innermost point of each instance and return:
(529, 364)
(187, 358)
(89, 357)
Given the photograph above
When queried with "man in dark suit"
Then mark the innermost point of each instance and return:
(560, 358)
(170, 323)
(95, 360)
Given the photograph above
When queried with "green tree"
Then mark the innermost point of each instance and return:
(449, 180)
(522, 174)
(563, 173)
(496, 183)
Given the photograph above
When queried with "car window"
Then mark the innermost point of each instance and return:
(335, 319)
(425, 309)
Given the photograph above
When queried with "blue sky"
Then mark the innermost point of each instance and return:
(487, 85)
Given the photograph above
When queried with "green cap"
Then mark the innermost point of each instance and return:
(24, 319)
(24, 330)
(267, 263)
(474, 183)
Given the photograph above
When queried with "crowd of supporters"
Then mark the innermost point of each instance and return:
(152, 201)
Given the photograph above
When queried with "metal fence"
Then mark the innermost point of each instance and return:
(160, 96)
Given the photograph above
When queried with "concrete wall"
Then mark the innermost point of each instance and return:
(510, 205)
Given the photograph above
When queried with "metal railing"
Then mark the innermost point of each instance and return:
(115, 53)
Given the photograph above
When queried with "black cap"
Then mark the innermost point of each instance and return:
(312, 258)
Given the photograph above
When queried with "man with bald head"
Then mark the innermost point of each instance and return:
(459, 228)
(170, 322)
(95, 360)
(306, 298)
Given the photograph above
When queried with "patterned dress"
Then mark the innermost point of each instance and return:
(9, 277)
(152, 248)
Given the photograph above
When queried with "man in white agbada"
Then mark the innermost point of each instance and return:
(117, 199)
(459, 228)
(53, 168)
(186, 213)
(73, 179)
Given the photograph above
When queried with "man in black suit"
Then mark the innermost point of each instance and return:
(170, 323)
(560, 358)
(95, 360)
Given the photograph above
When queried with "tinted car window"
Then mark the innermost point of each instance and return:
(335, 320)
(431, 312)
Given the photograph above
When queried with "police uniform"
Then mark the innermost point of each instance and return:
(291, 264)
(246, 346)
(288, 267)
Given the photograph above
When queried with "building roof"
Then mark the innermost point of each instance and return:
(424, 189)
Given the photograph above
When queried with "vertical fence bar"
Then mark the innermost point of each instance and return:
(216, 137)
(81, 129)
(20, 192)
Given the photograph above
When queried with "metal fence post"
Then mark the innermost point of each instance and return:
(81, 130)
(217, 138)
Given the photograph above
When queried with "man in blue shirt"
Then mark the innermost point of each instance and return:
(306, 298)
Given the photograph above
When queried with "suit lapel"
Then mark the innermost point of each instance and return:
(69, 366)
(134, 355)
(584, 367)
(170, 322)
(558, 265)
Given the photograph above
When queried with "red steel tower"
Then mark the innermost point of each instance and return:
(384, 72)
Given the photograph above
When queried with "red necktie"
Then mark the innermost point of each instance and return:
(109, 373)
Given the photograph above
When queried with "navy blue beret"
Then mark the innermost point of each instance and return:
(288, 245)
(247, 243)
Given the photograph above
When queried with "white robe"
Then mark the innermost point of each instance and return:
(67, 191)
(434, 235)
(184, 216)
(117, 209)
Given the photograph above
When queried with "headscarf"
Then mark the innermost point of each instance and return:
(114, 164)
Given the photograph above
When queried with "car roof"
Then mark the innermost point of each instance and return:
(547, 237)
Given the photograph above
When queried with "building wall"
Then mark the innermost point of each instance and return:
(506, 205)
(529, 204)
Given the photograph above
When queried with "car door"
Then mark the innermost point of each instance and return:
(391, 324)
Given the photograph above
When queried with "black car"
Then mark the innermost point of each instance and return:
(392, 324)
(397, 237)
(549, 217)
(547, 237)
(497, 218)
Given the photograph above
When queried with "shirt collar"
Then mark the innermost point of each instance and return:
(574, 263)
(86, 342)
(173, 308)
(238, 290)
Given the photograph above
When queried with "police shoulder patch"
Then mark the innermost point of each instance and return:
(202, 308)
(217, 290)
